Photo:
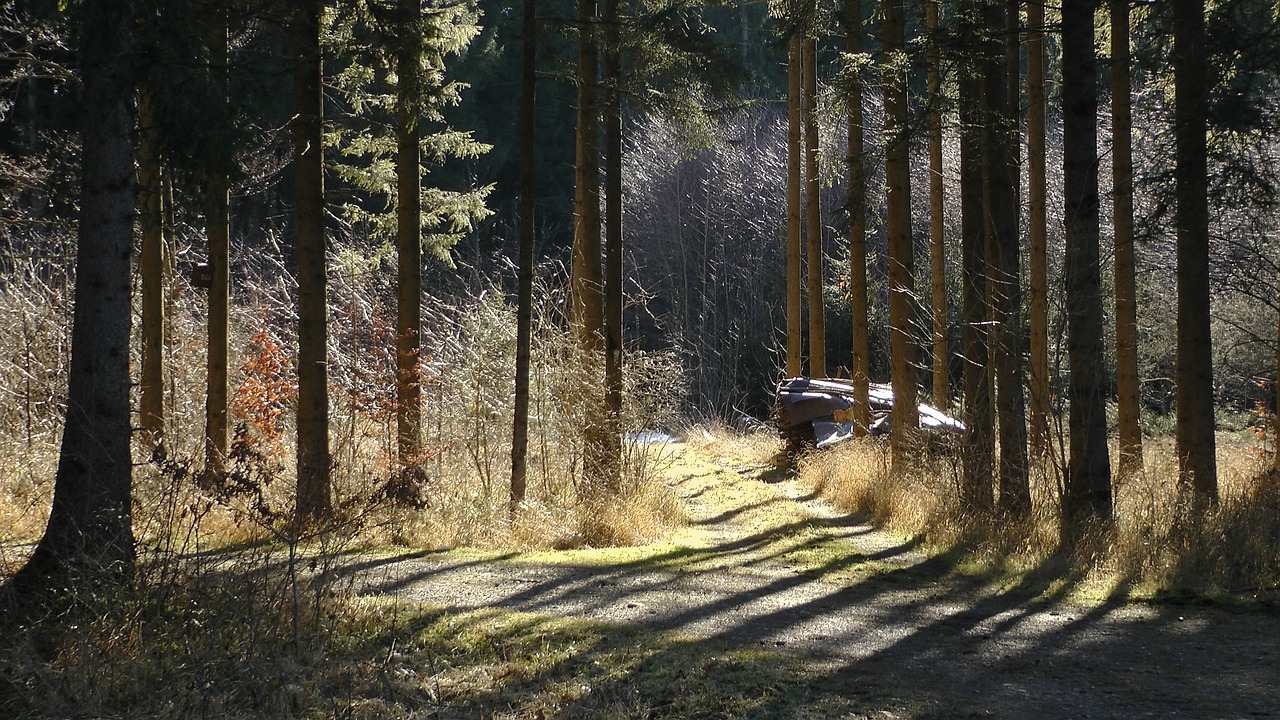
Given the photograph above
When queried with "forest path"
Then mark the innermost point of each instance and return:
(764, 563)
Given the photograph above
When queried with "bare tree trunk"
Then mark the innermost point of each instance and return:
(218, 231)
(937, 225)
(151, 214)
(313, 490)
(901, 250)
(613, 242)
(587, 284)
(1004, 268)
(1038, 270)
(1127, 381)
(813, 210)
(979, 455)
(861, 363)
(408, 243)
(1087, 500)
(89, 535)
(1194, 423)
(795, 360)
(524, 302)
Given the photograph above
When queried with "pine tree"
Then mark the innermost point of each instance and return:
(902, 346)
(1087, 497)
(937, 222)
(979, 453)
(524, 291)
(313, 488)
(1194, 423)
(88, 539)
(1128, 418)
(860, 360)
(1037, 230)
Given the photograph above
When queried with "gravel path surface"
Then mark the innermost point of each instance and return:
(877, 613)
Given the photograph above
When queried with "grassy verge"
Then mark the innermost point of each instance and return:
(380, 659)
(1159, 546)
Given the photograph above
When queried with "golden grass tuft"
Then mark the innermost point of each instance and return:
(1160, 541)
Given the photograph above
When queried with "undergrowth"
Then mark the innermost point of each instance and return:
(1159, 544)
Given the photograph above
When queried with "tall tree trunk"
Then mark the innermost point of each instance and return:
(524, 301)
(1037, 255)
(795, 351)
(1087, 500)
(937, 202)
(151, 214)
(901, 250)
(313, 490)
(218, 231)
(979, 454)
(813, 210)
(860, 360)
(1194, 424)
(586, 286)
(89, 535)
(408, 241)
(1127, 381)
(613, 241)
(1004, 267)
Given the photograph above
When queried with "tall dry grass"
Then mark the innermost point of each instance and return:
(468, 377)
(1160, 542)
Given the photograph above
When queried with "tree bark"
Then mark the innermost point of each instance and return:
(524, 301)
(151, 215)
(313, 489)
(1037, 230)
(1127, 381)
(976, 493)
(1087, 498)
(89, 535)
(1194, 423)
(1004, 267)
(795, 360)
(860, 360)
(586, 285)
(408, 242)
(217, 231)
(813, 211)
(613, 243)
(937, 202)
(901, 250)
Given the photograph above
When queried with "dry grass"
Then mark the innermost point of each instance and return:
(1160, 543)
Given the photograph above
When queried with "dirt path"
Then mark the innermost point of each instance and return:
(764, 564)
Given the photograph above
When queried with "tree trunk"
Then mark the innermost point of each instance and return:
(408, 242)
(901, 250)
(1087, 500)
(860, 360)
(937, 201)
(1127, 381)
(524, 301)
(1194, 424)
(313, 489)
(1037, 230)
(813, 212)
(586, 286)
(217, 230)
(979, 453)
(151, 215)
(89, 535)
(613, 243)
(795, 360)
(1004, 268)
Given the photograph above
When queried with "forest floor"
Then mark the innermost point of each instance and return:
(830, 617)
